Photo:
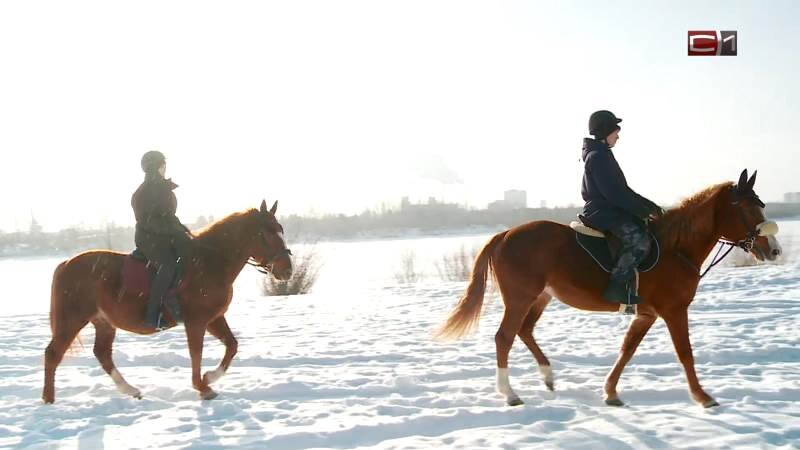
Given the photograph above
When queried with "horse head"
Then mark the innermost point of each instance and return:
(743, 222)
(269, 252)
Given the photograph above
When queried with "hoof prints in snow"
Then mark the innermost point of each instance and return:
(329, 371)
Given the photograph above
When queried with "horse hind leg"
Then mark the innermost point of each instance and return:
(64, 332)
(103, 344)
(517, 306)
(526, 334)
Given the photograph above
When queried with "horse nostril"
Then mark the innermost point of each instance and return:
(776, 252)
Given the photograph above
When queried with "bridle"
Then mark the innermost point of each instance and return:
(266, 268)
(766, 228)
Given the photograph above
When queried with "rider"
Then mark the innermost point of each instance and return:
(613, 207)
(159, 234)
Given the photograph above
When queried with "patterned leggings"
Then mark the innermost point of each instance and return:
(635, 247)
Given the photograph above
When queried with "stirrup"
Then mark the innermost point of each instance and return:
(628, 310)
(159, 326)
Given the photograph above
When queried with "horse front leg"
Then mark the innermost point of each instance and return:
(636, 332)
(219, 328)
(194, 336)
(678, 325)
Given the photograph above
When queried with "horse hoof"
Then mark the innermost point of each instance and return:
(514, 402)
(137, 395)
(48, 401)
(710, 403)
(208, 395)
(550, 386)
(614, 402)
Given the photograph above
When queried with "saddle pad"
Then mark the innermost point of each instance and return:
(597, 248)
(136, 277)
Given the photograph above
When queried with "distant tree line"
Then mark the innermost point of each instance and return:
(431, 219)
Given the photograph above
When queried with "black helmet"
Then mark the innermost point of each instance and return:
(602, 123)
(152, 160)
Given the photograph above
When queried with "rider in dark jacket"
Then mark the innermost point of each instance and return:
(159, 234)
(613, 207)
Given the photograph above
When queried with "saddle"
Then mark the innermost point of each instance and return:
(604, 249)
(138, 274)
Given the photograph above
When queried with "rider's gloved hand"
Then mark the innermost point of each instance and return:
(181, 235)
(657, 212)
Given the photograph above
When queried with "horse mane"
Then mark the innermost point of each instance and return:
(693, 217)
(216, 230)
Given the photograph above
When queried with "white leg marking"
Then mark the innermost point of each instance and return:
(123, 385)
(504, 385)
(214, 375)
(547, 374)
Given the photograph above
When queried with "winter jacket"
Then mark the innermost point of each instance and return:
(154, 205)
(609, 200)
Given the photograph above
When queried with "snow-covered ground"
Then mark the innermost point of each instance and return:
(353, 365)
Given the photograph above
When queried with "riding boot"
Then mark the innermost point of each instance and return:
(158, 289)
(174, 307)
(616, 292)
(619, 291)
(152, 318)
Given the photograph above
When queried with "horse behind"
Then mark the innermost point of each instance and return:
(89, 288)
(535, 262)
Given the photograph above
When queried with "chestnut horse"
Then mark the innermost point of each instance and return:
(537, 261)
(88, 288)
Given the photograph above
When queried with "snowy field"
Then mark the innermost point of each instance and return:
(353, 366)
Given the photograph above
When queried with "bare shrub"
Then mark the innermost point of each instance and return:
(456, 266)
(788, 250)
(408, 274)
(306, 271)
(740, 258)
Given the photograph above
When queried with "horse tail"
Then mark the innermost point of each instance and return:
(464, 317)
(55, 295)
(57, 291)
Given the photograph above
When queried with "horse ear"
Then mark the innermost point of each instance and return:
(263, 207)
(740, 186)
(274, 208)
(752, 181)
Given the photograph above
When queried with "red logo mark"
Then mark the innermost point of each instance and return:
(703, 43)
(712, 43)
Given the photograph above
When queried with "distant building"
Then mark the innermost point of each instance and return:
(497, 205)
(791, 197)
(35, 228)
(431, 205)
(515, 198)
(512, 199)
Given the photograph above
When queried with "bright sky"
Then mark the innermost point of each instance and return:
(338, 106)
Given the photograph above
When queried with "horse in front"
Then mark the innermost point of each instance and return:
(535, 262)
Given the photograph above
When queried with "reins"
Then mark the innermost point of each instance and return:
(714, 261)
(745, 244)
